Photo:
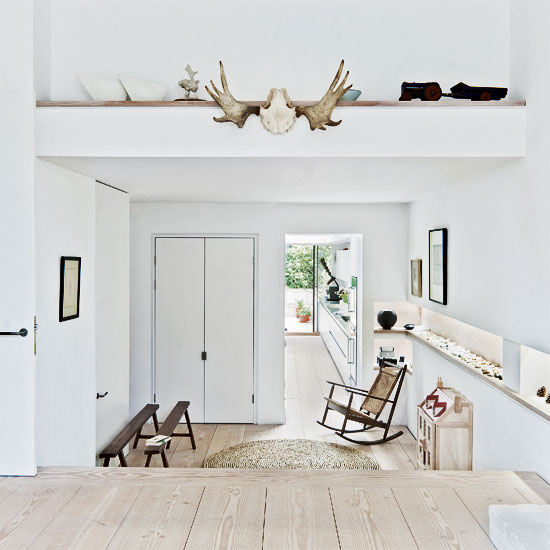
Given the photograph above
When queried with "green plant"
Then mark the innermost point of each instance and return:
(304, 312)
(299, 304)
(299, 265)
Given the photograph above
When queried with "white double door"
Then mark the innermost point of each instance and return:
(204, 327)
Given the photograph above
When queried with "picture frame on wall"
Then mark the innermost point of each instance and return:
(69, 288)
(438, 265)
(416, 278)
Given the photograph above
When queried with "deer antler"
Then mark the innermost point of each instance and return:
(320, 113)
(234, 110)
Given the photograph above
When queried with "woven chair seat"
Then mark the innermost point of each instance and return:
(341, 408)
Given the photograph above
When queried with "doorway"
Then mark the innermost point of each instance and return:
(300, 289)
(323, 285)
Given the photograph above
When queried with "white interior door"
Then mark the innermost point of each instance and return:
(179, 334)
(17, 280)
(229, 330)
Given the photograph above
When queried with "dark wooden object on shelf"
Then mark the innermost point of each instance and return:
(169, 428)
(133, 428)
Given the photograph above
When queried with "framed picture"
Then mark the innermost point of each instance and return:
(416, 278)
(438, 265)
(69, 288)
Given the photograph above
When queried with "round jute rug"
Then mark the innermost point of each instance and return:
(292, 454)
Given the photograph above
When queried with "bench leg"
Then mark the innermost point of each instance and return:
(137, 438)
(190, 430)
(122, 459)
(155, 422)
(106, 461)
(148, 461)
(164, 459)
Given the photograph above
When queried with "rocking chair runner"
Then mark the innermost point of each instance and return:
(373, 405)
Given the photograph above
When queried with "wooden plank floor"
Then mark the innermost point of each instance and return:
(202, 509)
(308, 366)
(192, 508)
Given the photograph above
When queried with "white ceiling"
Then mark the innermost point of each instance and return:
(295, 180)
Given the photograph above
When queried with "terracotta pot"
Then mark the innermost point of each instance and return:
(297, 314)
(304, 318)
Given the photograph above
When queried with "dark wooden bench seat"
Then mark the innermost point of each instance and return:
(133, 428)
(169, 428)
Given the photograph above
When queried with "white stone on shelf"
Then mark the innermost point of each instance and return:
(143, 90)
(520, 527)
(102, 88)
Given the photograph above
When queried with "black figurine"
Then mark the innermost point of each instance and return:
(431, 91)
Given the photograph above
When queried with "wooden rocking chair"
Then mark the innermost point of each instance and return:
(375, 400)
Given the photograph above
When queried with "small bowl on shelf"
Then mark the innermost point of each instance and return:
(351, 95)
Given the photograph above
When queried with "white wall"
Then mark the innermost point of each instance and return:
(297, 45)
(270, 222)
(507, 436)
(66, 352)
(499, 262)
(499, 256)
(17, 292)
(112, 270)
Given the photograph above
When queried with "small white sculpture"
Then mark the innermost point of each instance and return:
(190, 85)
(278, 115)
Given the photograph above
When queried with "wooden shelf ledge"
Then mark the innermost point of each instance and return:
(407, 104)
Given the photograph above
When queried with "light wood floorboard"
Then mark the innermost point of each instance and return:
(229, 518)
(370, 519)
(90, 519)
(299, 517)
(161, 517)
(197, 508)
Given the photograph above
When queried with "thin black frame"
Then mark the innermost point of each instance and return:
(444, 243)
(62, 287)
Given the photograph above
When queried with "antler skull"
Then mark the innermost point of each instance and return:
(278, 115)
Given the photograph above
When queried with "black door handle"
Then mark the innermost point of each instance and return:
(101, 395)
(23, 332)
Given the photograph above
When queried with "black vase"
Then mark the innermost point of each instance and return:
(386, 318)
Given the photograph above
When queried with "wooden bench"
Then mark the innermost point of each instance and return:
(133, 428)
(168, 428)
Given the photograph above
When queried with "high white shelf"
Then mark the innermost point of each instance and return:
(368, 129)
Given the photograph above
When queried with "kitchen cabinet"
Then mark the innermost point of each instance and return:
(340, 340)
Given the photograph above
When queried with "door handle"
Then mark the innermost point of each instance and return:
(101, 395)
(22, 332)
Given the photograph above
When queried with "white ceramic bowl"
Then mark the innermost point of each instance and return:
(143, 90)
(102, 88)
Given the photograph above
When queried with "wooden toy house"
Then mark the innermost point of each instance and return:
(444, 424)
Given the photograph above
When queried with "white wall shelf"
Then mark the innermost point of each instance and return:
(368, 129)
(535, 404)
